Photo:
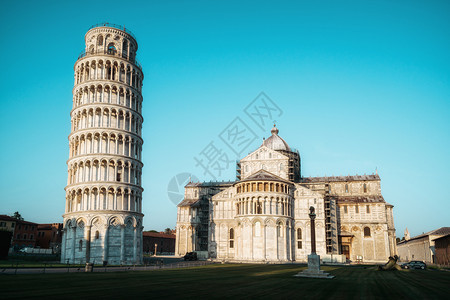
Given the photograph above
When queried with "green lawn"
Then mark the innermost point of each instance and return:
(231, 280)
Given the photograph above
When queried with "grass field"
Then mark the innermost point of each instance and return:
(231, 280)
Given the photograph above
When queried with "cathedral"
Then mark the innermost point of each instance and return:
(263, 216)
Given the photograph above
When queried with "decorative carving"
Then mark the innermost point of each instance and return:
(114, 222)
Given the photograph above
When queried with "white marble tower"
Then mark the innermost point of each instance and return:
(103, 213)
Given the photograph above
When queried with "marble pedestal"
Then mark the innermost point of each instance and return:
(313, 270)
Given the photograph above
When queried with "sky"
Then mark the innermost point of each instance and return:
(359, 86)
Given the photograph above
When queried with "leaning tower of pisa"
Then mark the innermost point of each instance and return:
(103, 212)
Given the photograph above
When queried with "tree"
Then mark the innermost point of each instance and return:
(168, 231)
(17, 216)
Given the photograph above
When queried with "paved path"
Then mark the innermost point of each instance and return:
(174, 265)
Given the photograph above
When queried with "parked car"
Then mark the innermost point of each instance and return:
(414, 264)
(190, 256)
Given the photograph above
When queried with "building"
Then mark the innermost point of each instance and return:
(49, 236)
(24, 232)
(164, 243)
(263, 215)
(442, 250)
(421, 247)
(103, 213)
(7, 223)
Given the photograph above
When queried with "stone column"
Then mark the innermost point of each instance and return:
(63, 244)
(141, 245)
(251, 240)
(88, 242)
(105, 244)
(264, 241)
(312, 216)
(186, 230)
(122, 243)
(177, 241)
(74, 237)
(134, 244)
(288, 242)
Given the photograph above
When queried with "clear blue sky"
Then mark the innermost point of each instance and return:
(361, 84)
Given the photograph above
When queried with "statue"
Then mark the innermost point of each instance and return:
(390, 265)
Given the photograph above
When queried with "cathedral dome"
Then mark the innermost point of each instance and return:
(275, 142)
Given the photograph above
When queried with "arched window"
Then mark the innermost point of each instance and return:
(365, 188)
(257, 156)
(111, 49)
(299, 238)
(368, 209)
(270, 155)
(97, 235)
(366, 232)
(281, 167)
(125, 48)
(231, 238)
(279, 230)
(258, 208)
(80, 245)
(346, 188)
(100, 40)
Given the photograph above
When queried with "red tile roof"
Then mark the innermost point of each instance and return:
(359, 199)
(8, 218)
(340, 178)
(159, 235)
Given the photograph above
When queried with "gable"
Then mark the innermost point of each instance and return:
(264, 175)
(264, 153)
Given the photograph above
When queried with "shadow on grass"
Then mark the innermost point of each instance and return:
(233, 280)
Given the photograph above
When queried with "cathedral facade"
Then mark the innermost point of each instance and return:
(263, 216)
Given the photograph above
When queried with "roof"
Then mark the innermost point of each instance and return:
(49, 226)
(188, 202)
(8, 218)
(439, 231)
(264, 175)
(340, 178)
(275, 142)
(359, 199)
(442, 237)
(210, 184)
(158, 234)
